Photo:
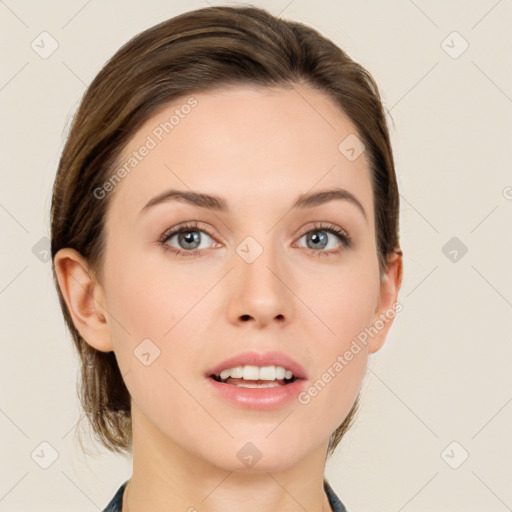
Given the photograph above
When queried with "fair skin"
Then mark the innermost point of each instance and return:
(259, 149)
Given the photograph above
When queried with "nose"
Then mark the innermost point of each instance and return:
(258, 291)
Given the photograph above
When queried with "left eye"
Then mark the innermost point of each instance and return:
(319, 239)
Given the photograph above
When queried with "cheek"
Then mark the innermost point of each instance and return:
(344, 306)
(148, 306)
(155, 308)
(150, 295)
(345, 302)
(341, 361)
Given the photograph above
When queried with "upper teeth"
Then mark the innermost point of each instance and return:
(249, 372)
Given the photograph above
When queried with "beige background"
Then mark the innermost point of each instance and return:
(444, 375)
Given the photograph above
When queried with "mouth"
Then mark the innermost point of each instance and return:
(253, 383)
(257, 370)
(258, 381)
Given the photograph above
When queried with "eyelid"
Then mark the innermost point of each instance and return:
(191, 225)
(343, 236)
(324, 226)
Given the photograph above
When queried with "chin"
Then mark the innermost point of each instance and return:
(253, 456)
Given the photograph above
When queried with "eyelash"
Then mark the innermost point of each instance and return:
(343, 236)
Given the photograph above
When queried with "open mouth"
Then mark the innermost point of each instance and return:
(245, 383)
(253, 370)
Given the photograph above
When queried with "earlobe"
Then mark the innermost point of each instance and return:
(84, 298)
(388, 302)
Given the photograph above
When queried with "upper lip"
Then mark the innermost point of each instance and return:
(257, 359)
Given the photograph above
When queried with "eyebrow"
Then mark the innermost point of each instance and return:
(219, 204)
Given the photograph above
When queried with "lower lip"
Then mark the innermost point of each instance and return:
(262, 399)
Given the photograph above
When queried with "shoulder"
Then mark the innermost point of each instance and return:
(116, 502)
(334, 501)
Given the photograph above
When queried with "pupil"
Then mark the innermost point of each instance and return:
(319, 238)
(190, 237)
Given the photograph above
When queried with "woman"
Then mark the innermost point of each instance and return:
(225, 246)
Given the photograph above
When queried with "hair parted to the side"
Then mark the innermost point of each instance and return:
(197, 51)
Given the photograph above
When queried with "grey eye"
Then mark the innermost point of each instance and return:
(190, 239)
(318, 238)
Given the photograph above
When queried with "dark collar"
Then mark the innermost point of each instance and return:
(115, 504)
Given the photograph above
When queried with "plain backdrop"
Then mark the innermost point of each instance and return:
(433, 431)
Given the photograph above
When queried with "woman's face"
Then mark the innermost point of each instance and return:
(256, 275)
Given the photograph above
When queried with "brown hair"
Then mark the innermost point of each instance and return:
(197, 51)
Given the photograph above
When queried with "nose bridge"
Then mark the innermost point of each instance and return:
(259, 290)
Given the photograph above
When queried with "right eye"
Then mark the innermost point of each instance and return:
(188, 237)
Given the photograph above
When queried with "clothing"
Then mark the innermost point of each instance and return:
(336, 504)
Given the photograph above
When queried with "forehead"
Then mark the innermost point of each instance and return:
(248, 143)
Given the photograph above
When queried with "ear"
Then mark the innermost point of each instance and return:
(84, 298)
(387, 307)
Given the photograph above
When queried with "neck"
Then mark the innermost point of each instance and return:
(168, 478)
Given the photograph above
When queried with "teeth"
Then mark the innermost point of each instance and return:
(250, 372)
(236, 373)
